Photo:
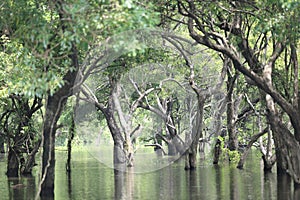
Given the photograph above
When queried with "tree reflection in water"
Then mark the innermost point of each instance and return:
(92, 180)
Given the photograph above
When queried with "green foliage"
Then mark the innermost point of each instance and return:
(279, 17)
(232, 156)
(39, 37)
(37, 41)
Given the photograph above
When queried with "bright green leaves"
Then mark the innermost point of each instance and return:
(36, 52)
(127, 15)
(280, 17)
(21, 74)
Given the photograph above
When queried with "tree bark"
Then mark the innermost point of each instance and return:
(2, 150)
(119, 156)
(30, 160)
(253, 139)
(219, 131)
(268, 162)
(54, 107)
(287, 150)
(191, 155)
(217, 151)
(125, 123)
(69, 144)
(13, 163)
(231, 129)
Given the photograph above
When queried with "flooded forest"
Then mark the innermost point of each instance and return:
(159, 99)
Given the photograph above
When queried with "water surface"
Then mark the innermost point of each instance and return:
(92, 180)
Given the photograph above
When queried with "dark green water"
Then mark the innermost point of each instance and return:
(92, 180)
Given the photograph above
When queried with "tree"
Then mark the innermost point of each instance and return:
(118, 107)
(162, 96)
(20, 132)
(50, 47)
(245, 31)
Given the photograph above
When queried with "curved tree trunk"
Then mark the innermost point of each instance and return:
(54, 107)
(218, 131)
(253, 139)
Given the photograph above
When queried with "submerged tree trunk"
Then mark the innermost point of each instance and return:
(218, 146)
(191, 155)
(69, 144)
(119, 155)
(218, 131)
(2, 150)
(71, 135)
(253, 139)
(287, 150)
(125, 124)
(13, 163)
(268, 157)
(231, 128)
(54, 107)
(48, 159)
(30, 160)
(119, 151)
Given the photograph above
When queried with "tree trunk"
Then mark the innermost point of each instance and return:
(287, 150)
(232, 133)
(54, 107)
(125, 124)
(171, 148)
(268, 162)
(119, 156)
(48, 158)
(69, 145)
(174, 145)
(218, 130)
(231, 108)
(2, 150)
(30, 160)
(253, 139)
(191, 156)
(268, 157)
(287, 147)
(12, 163)
(217, 151)
(218, 146)
(71, 135)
